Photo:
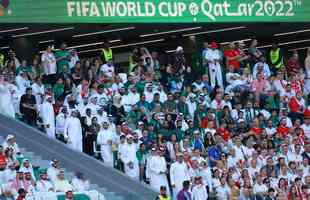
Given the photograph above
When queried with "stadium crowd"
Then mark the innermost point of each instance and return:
(19, 178)
(237, 130)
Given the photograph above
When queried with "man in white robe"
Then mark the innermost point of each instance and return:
(6, 103)
(61, 184)
(158, 168)
(73, 132)
(48, 117)
(199, 190)
(128, 157)
(104, 139)
(213, 57)
(38, 90)
(53, 170)
(3, 173)
(22, 82)
(79, 183)
(27, 167)
(10, 142)
(61, 121)
(43, 184)
(179, 172)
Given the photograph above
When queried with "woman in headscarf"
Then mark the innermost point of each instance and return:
(90, 135)
(117, 109)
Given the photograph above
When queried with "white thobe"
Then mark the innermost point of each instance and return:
(22, 84)
(206, 175)
(6, 103)
(104, 138)
(128, 155)
(149, 96)
(192, 106)
(80, 185)
(215, 70)
(4, 176)
(38, 91)
(158, 168)
(199, 192)
(52, 173)
(162, 96)
(223, 192)
(126, 103)
(60, 123)
(44, 186)
(179, 173)
(73, 131)
(134, 98)
(62, 186)
(48, 118)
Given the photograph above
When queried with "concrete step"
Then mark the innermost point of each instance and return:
(93, 187)
(44, 163)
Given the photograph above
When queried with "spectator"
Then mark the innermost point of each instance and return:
(21, 194)
(185, 193)
(275, 59)
(79, 183)
(63, 58)
(293, 65)
(28, 107)
(43, 184)
(61, 184)
(213, 58)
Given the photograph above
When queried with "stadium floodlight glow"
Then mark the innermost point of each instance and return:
(13, 30)
(294, 42)
(125, 45)
(92, 44)
(171, 51)
(215, 31)
(106, 31)
(301, 48)
(265, 46)
(173, 31)
(292, 32)
(244, 40)
(46, 41)
(138, 43)
(43, 32)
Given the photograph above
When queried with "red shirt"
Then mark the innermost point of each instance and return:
(230, 54)
(224, 133)
(283, 131)
(294, 105)
(2, 159)
(257, 131)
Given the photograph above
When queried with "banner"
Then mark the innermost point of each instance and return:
(153, 11)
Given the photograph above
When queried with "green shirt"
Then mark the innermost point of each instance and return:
(140, 87)
(141, 156)
(24, 69)
(63, 62)
(58, 90)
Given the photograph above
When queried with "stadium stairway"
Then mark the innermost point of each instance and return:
(40, 150)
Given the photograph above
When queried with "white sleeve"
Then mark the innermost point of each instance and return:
(172, 175)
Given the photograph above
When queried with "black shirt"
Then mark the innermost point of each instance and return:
(29, 100)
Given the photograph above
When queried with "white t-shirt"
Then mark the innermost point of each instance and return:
(223, 192)
(306, 129)
(107, 70)
(49, 63)
(259, 188)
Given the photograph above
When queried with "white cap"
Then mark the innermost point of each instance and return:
(179, 48)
